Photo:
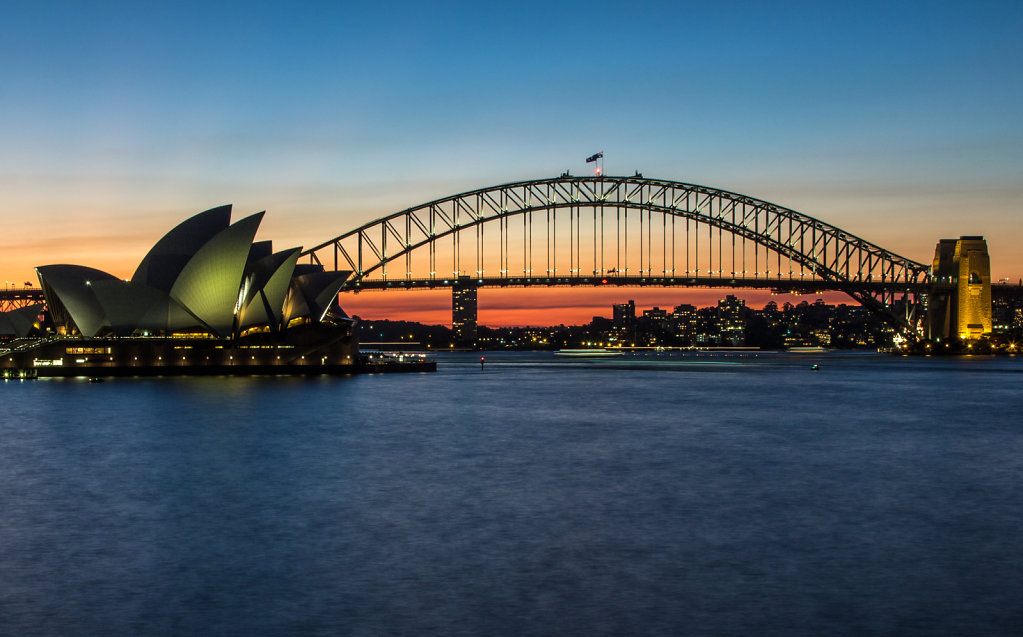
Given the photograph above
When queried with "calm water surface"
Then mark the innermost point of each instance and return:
(696, 495)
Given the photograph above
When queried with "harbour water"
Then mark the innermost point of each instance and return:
(665, 494)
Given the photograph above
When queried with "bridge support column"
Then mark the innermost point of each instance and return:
(463, 311)
(959, 304)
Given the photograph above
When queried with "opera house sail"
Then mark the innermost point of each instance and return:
(207, 298)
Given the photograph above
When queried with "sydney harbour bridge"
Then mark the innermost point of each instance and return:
(618, 231)
(626, 231)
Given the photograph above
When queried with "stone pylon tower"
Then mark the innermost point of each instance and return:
(960, 302)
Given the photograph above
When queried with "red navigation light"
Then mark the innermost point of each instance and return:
(603, 280)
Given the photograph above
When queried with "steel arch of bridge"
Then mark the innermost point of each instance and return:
(825, 254)
(14, 298)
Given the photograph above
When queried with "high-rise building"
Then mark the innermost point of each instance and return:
(732, 321)
(464, 311)
(706, 326)
(960, 305)
(623, 321)
(624, 314)
(685, 322)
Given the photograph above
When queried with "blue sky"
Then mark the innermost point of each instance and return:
(898, 121)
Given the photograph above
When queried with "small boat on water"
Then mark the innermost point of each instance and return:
(587, 352)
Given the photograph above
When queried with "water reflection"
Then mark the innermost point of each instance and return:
(646, 495)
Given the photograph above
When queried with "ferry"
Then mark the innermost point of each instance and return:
(587, 352)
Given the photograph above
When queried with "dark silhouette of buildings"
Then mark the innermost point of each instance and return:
(729, 323)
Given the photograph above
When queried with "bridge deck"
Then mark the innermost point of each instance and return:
(998, 290)
(782, 284)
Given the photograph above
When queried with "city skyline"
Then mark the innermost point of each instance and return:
(500, 307)
(894, 123)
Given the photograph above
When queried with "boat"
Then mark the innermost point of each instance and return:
(587, 352)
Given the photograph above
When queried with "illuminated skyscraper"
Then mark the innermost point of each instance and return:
(731, 321)
(623, 320)
(463, 311)
(685, 322)
(624, 314)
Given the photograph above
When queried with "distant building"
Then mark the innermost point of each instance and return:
(656, 315)
(684, 318)
(464, 311)
(623, 315)
(732, 321)
(707, 332)
(1002, 311)
(623, 321)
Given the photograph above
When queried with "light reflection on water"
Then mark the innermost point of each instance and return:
(677, 493)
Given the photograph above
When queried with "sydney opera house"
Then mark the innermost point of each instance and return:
(207, 298)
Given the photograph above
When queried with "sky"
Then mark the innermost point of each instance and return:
(896, 121)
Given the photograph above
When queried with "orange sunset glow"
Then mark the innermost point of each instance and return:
(110, 141)
(541, 306)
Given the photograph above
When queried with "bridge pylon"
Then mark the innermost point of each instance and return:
(959, 301)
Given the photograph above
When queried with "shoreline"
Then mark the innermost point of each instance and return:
(388, 367)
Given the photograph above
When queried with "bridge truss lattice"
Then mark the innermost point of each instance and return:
(631, 230)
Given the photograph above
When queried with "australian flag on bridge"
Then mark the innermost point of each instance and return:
(599, 155)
